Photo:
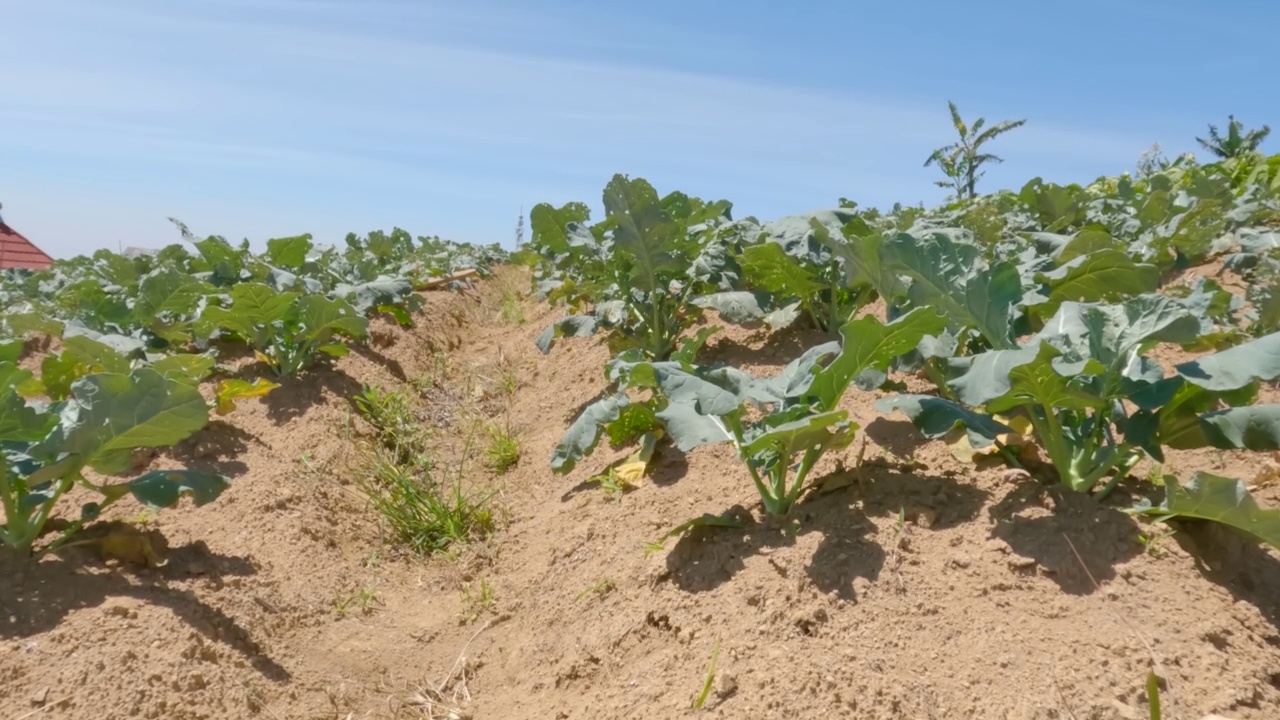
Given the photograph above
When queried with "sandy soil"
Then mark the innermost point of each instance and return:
(994, 596)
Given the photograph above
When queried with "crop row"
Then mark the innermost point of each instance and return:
(138, 335)
(1032, 313)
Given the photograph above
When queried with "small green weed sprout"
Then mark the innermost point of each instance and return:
(599, 588)
(709, 680)
(474, 604)
(364, 599)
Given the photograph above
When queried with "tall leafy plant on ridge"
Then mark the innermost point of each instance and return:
(1237, 142)
(648, 269)
(962, 161)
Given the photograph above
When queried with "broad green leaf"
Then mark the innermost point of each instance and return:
(1091, 239)
(736, 306)
(289, 252)
(568, 326)
(1108, 333)
(320, 319)
(642, 230)
(185, 367)
(1038, 383)
(951, 277)
(98, 356)
(10, 351)
(1236, 367)
(57, 372)
(831, 430)
(868, 344)
(583, 435)
(164, 488)
(1220, 499)
(255, 308)
(548, 224)
(768, 267)
(1104, 275)
(689, 428)
(167, 291)
(233, 389)
(1256, 427)
(18, 421)
(109, 415)
(935, 417)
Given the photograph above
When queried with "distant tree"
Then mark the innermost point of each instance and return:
(1237, 142)
(961, 162)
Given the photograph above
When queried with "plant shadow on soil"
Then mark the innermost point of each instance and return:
(298, 394)
(1238, 564)
(708, 557)
(213, 449)
(42, 594)
(1073, 539)
(775, 347)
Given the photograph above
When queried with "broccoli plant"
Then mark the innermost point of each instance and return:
(652, 266)
(47, 447)
(1073, 379)
(288, 331)
(780, 426)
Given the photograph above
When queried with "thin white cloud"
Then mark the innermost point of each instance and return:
(333, 104)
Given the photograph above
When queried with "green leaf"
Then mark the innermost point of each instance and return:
(167, 291)
(642, 230)
(1236, 367)
(687, 353)
(10, 351)
(935, 417)
(869, 344)
(1220, 499)
(1256, 427)
(952, 277)
(185, 367)
(289, 252)
(320, 318)
(768, 267)
(1038, 383)
(18, 421)
(164, 488)
(111, 414)
(1103, 275)
(255, 308)
(828, 430)
(735, 306)
(583, 435)
(568, 326)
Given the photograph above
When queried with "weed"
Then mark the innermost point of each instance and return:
(422, 514)
(599, 588)
(392, 414)
(364, 598)
(510, 312)
(503, 450)
(474, 604)
(1150, 542)
(701, 699)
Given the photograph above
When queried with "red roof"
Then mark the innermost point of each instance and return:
(18, 252)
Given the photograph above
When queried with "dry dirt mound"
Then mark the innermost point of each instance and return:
(911, 586)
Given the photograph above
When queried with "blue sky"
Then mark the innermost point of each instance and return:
(264, 118)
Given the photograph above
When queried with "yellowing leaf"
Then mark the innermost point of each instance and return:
(235, 389)
(1022, 439)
